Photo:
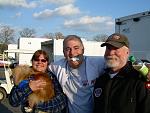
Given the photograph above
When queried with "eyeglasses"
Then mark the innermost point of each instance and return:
(42, 60)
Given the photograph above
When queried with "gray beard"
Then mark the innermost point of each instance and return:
(111, 64)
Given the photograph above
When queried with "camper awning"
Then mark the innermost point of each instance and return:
(18, 51)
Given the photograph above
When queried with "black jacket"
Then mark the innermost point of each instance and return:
(124, 93)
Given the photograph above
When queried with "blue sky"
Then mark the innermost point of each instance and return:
(85, 18)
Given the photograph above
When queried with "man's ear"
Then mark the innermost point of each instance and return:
(128, 52)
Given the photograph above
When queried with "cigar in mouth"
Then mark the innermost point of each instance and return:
(76, 58)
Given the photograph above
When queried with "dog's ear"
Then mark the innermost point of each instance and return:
(21, 72)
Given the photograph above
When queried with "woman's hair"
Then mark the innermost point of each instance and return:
(38, 53)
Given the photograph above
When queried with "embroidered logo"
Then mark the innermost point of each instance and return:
(114, 37)
(98, 92)
(147, 85)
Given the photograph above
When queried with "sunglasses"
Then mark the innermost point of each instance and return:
(42, 60)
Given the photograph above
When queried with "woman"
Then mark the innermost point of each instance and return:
(56, 105)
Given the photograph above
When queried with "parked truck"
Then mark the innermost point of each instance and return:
(137, 28)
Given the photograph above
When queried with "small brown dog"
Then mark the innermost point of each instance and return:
(24, 72)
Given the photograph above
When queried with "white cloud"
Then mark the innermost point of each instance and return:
(44, 14)
(90, 24)
(18, 3)
(65, 10)
(60, 2)
(17, 15)
(88, 20)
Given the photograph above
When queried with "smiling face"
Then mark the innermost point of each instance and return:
(73, 47)
(40, 61)
(116, 58)
(40, 64)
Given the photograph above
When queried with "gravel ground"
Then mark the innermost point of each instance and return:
(6, 108)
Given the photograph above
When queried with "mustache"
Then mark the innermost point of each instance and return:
(111, 61)
(110, 58)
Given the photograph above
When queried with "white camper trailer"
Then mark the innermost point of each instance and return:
(31, 43)
(55, 48)
(137, 28)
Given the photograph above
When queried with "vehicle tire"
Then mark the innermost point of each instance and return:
(3, 94)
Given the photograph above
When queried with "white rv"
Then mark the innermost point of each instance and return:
(29, 44)
(137, 28)
(55, 48)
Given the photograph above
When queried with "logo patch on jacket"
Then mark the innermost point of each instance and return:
(147, 85)
(98, 92)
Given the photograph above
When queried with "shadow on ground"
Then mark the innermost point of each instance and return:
(5, 107)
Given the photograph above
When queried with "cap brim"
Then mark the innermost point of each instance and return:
(115, 44)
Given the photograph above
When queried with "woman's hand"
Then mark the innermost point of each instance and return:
(36, 85)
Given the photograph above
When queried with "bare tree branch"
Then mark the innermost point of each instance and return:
(27, 32)
(100, 38)
(6, 37)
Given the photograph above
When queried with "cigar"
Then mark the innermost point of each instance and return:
(75, 58)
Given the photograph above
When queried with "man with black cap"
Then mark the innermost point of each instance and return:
(119, 89)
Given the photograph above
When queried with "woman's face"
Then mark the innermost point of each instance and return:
(40, 64)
